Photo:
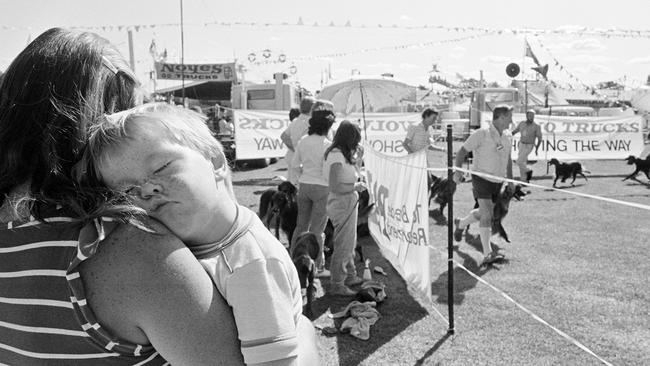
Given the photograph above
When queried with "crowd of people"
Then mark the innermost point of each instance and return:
(120, 217)
(326, 172)
(121, 238)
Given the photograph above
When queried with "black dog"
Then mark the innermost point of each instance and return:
(441, 190)
(566, 170)
(362, 225)
(642, 165)
(502, 206)
(280, 208)
(305, 252)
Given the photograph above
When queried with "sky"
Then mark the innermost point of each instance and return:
(580, 40)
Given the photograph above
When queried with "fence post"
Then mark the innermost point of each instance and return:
(450, 232)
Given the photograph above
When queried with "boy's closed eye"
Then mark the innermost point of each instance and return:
(163, 167)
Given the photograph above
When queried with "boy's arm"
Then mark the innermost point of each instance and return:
(265, 299)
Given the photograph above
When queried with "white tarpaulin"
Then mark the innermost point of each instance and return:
(399, 224)
(257, 133)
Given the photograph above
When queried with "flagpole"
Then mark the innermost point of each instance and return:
(182, 57)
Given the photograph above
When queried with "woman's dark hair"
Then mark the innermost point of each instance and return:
(346, 139)
(320, 122)
(293, 113)
(51, 92)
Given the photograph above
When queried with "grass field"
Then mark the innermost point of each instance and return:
(579, 264)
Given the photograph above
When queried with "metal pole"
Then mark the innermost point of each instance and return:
(526, 95)
(182, 57)
(450, 233)
(363, 111)
(131, 56)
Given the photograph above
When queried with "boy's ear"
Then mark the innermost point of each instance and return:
(220, 167)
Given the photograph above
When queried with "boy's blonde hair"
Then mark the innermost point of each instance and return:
(179, 125)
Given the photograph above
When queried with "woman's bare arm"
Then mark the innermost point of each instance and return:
(149, 288)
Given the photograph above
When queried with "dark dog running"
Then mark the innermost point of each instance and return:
(304, 255)
(642, 165)
(501, 208)
(441, 190)
(280, 208)
(566, 170)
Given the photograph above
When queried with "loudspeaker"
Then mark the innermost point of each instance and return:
(512, 70)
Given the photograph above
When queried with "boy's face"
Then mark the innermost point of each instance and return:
(173, 183)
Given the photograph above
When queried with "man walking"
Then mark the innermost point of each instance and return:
(491, 148)
(531, 136)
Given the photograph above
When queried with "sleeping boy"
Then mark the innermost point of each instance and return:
(165, 159)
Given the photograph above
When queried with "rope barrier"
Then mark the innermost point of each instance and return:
(526, 310)
(611, 200)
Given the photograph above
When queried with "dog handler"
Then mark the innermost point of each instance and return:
(531, 136)
(491, 148)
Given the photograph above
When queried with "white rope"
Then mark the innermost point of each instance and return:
(533, 315)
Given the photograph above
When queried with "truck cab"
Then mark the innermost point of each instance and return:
(485, 99)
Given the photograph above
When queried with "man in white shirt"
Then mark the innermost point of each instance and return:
(491, 149)
(295, 131)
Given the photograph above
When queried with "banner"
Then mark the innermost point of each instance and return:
(399, 224)
(385, 131)
(257, 133)
(216, 72)
(583, 138)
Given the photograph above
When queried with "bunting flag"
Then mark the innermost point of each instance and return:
(543, 70)
(529, 53)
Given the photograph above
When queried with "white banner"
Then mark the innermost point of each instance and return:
(257, 133)
(399, 224)
(584, 138)
(385, 131)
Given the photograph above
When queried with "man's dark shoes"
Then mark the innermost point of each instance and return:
(492, 258)
(458, 232)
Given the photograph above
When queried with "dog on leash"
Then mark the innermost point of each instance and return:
(566, 170)
(441, 190)
(642, 165)
(304, 254)
(502, 206)
(278, 207)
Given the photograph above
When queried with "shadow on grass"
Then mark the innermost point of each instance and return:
(463, 281)
(256, 182)
(398, 311)
(432, 350)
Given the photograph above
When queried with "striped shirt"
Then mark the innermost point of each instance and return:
(44, 316)
(419, 136)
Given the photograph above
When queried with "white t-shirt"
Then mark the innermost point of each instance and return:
(254, 273)
(348, 171)
(491, 151)
(309, 158)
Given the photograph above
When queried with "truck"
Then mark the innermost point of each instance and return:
(485, 99)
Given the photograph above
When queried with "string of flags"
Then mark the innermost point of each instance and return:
(577, 31)
(589, 88)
